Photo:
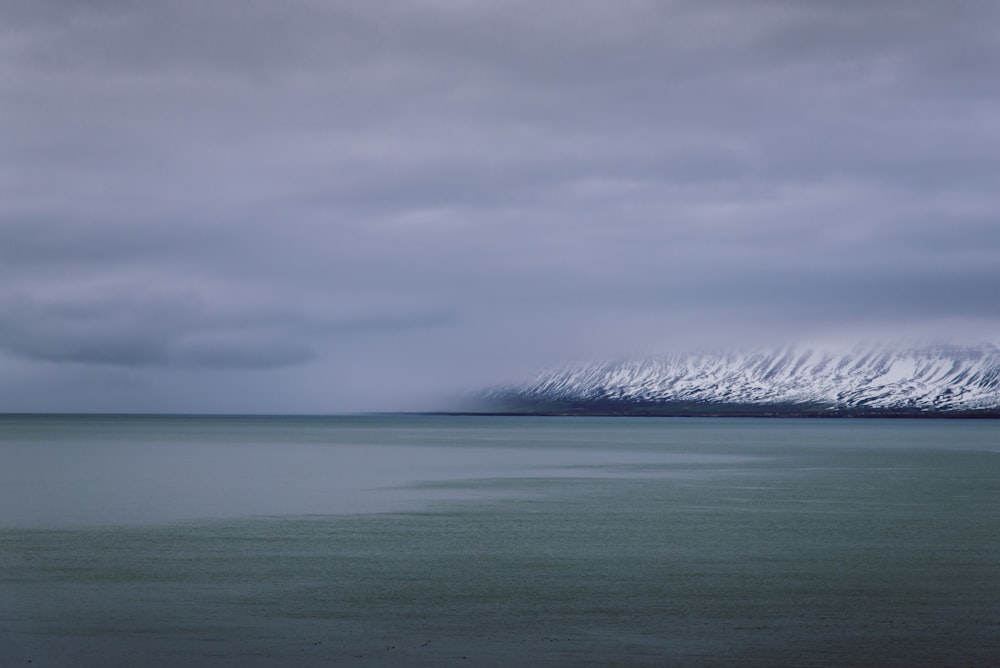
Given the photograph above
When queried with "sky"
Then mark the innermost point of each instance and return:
(316, 206)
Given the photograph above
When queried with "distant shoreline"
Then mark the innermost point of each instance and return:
(625, 409)
(644, 412)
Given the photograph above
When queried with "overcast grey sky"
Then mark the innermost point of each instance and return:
(320, 206)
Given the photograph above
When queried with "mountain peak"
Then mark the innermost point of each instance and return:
(877, 379)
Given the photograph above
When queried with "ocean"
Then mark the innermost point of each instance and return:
(498, 541)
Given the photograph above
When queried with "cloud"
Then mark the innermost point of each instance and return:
(376, 203)
(114, 326)
(239, 350)
(105, 331)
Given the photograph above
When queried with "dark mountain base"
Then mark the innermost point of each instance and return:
(610, 408)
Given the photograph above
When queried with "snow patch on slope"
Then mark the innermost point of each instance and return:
(938, 377)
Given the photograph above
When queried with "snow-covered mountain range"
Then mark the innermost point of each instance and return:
(864, 379)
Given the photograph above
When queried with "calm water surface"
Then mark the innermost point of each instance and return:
(439, 541)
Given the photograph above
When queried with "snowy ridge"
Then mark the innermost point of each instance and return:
(929, 378)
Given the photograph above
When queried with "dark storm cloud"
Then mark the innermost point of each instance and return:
(364, 203)
(111, 326)
(123, 330)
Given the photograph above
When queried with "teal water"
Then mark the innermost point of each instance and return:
(438, 541)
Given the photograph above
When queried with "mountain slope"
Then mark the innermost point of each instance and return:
(796, 379)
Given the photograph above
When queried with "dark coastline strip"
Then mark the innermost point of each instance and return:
(629, 409)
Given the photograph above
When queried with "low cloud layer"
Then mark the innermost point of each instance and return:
(326, 207)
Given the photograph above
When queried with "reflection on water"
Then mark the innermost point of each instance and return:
(137, 470)
(479, 541)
